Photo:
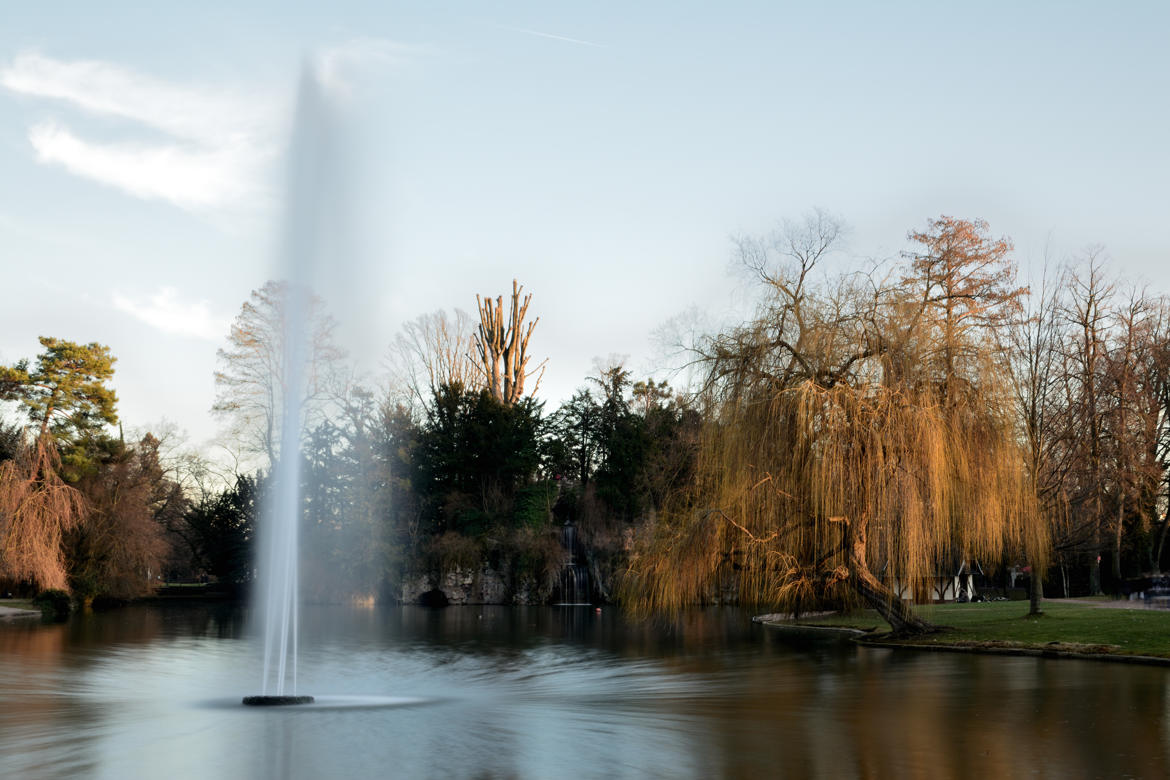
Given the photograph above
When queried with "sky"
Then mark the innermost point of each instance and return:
(601, 153)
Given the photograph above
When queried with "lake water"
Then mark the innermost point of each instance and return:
(154, 692)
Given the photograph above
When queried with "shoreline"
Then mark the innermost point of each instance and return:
(871, 638)
(12, 613)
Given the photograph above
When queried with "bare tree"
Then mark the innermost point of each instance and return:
(967, 284)
(249, 383)
(1034, 342)
(1133, 375)
(121, 548)
(1087, 315)
(501, 346)
(1089, 367)
(1159, 377)
(1121, 383)
(802, 244)
(431, 351)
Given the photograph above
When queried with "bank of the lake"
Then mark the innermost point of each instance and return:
(1074, 629)
(18, 608)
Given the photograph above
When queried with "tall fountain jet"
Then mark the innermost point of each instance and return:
(276, 598)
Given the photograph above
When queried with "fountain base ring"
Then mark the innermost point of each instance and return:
(276, 701)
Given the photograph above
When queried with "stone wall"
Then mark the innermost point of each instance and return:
(501, 581)
(482, 585)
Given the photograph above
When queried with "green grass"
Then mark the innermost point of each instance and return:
(1077, 627)
(19, 604)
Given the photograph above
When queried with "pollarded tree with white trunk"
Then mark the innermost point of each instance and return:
(501, 346)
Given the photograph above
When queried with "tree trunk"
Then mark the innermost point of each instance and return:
(888, 604)
(1161, 544)
(1036, 592)
(1117, 542)
(1095, 568)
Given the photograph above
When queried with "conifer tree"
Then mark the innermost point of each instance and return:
(65, 394)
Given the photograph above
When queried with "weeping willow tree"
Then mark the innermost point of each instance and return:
(36, 509)
(855, 441)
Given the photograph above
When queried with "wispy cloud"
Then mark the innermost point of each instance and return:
(164, 311)
(216, 142)
(540, 34)
(205, 115)
(192, 178)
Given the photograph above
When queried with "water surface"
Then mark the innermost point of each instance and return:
(553, 692)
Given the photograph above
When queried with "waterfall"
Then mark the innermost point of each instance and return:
(574, 586)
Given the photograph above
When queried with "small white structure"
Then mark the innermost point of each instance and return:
(941, 587)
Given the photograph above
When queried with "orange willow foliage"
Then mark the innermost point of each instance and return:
(855, 430)
(786, 480)
(36, 509)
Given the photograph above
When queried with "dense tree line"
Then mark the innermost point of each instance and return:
(859, 434)
(457, 467)
(1091, 369)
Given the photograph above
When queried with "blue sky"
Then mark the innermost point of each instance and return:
(601, 153)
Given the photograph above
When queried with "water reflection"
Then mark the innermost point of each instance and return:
(539, 692)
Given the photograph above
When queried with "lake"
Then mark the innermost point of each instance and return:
(548, 692)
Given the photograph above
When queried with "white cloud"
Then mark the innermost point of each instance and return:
(164, 311)
(190, 177)
(214, 117)
(218, 141)
(217, 144)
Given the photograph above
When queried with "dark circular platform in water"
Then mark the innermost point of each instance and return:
(276, 701)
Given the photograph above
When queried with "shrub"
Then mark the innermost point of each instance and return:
(536, 553)
(55, 604)
(453, 551)
(534, 503)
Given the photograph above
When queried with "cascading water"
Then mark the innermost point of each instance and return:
(575, 590)
(280, 516)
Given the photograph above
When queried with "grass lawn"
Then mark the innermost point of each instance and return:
(19, 604)
(1076, 627)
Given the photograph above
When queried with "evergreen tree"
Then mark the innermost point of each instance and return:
(66, 396)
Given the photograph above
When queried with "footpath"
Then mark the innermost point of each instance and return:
(17, 612)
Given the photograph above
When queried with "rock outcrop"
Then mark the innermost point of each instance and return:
(483, 585)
